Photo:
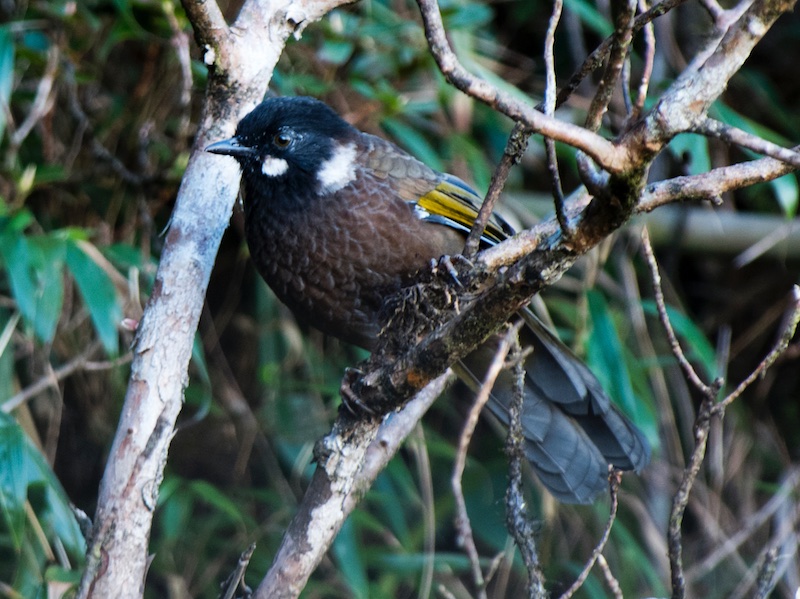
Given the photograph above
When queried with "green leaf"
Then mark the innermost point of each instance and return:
(695, 147)
(98, 294)
(346, 548)
(25, 470)
(221, 501)
(13, 478)
(605, 350)
(6, 74)
(35, 267)
(590, 16)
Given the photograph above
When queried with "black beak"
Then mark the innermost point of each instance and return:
(230, 147)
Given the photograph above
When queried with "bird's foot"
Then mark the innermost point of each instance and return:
(446, 263)
(350, 398)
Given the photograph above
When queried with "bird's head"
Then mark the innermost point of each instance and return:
(297, 143)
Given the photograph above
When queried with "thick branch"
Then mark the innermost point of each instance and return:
(240, 70)
(349, 459)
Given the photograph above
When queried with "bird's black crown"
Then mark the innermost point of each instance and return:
(300, 114)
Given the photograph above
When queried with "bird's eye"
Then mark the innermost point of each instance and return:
(282, 139)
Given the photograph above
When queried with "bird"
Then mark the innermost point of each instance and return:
(338, 220)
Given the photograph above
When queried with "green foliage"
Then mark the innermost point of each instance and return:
(40, 543)
(86, 192)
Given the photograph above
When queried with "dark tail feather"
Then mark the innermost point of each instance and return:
(571, 428)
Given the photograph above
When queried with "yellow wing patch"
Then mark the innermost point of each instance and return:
(454, 203)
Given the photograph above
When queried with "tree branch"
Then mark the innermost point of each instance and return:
(117, 550)
(348, 461)
(600, 149)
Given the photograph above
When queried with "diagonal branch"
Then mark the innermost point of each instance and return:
(600, 149)
(733, 135)
(348, 461)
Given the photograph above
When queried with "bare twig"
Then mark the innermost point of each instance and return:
(701, 427)
(348, 461)
(515, 147)
(600, 149)
(549, 109)
(598, 56)
(42, 101)
(236, 577)
(753, 523)
(517, 521)
(614, 479)
(180, 42)
(462, 522)
(207, 21)
(84, 124)
(647, 70)
(611, 580)
(715, 11)
(621, 43)
(733, 135)
(711, 185)
(423, 462)
(79, 362)
(792, 319)
(766, 574)
(681, 499)
(658, 294)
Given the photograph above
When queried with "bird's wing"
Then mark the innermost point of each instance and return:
(455, 204)
(435, 197)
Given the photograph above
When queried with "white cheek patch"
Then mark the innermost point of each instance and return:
(339, 169)
(274, 167)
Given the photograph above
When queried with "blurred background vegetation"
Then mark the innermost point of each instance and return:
(98, 100)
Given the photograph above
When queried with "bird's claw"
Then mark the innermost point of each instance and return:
(446, 263)
(350, 400)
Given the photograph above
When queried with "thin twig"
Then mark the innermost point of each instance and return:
(733, 135)
(715, 11)
(79, 362)
(462, 521)
(711, 185)
(549, 110)
(792, 319)
(701, 427)
(517, 521)
(611, 580)
(681, 499)
(647, 70)
(751, 525)
(621, 42)
(42, 101)
(600, 149)
(84, 124)
(422, 460)
(766, 574)
(515, 148)
(596, 58)
(614, 479)
(236, 577)
(658, 294)
(180, 42)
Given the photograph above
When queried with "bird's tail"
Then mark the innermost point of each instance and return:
(572, 430)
